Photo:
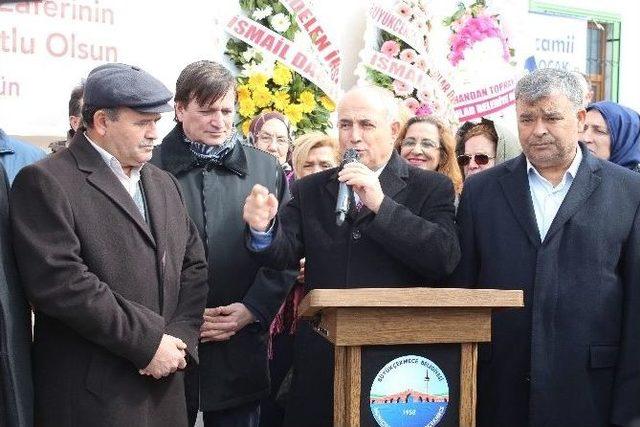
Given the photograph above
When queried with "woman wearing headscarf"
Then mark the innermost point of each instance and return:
(612, 132)
(271, 131)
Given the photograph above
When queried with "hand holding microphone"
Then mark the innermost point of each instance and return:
(359, 178)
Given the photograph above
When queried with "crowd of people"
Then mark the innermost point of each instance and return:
(165, 278)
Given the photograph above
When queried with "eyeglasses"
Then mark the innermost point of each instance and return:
(425, 144)
(266, 139)
(480, 159)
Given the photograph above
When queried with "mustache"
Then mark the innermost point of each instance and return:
(544, 140)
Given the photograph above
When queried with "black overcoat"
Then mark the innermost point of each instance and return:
(410, 242)
(232, 372)
(571, 357)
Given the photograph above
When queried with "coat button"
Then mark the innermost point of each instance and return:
(356, 234)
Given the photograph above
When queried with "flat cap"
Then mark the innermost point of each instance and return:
(120, 85)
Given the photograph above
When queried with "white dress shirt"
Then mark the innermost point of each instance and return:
(545, 197)
(130, 182)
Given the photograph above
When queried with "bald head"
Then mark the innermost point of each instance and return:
(368, 122)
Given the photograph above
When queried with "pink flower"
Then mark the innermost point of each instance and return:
(408, 55)
(404, 10)
(421, 62)
(470, 30)
(390, 48)
(412, 104)
(424, 95)
(401, 88)
(424, 110)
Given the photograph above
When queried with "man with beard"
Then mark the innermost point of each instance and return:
(571, 223)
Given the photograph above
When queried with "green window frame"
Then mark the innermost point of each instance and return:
(602, 17)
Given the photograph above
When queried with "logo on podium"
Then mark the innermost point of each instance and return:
(409, 391)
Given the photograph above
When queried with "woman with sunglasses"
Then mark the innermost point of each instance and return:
(425, 142)
(612, 132)
(483, 145)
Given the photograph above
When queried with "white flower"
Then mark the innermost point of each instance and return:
(259, 14)
(265, 67)
(280, 22)
(249, 54)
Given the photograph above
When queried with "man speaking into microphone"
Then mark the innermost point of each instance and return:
(399, 232)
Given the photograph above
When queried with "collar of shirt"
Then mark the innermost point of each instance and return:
(567, 178)
(546, 198)
(129, 182)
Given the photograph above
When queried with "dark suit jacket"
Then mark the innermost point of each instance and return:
(105, 286)
(411, 241)
(16, 386)
(571, 356)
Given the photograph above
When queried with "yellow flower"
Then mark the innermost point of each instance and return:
(281, 75)
(293, 113)
(257, 80)
(247, 108)
(243, 92)
(245, 127)
(307, 101)
(261, 97)
(327, 103)
(280, 100)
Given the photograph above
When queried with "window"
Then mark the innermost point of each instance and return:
(603, 46)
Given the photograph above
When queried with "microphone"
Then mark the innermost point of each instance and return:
(345, 192)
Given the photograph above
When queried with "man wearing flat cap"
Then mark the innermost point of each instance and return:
(112, 265)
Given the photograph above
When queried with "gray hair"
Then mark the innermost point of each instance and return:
(544, 82)
(384, 98)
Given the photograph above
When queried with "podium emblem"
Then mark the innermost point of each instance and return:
(409, 391)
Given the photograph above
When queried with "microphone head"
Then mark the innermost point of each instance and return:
(350, 155)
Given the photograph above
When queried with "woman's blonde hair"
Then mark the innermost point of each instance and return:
(448, 164)
(307, 142)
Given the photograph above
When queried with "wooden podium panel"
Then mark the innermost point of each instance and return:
(420, 335)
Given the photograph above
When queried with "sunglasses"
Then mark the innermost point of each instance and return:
(480, 159)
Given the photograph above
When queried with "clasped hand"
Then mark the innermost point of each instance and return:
(221, 323)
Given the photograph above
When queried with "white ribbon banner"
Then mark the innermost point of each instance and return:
(263, 39)
(395, 24)
(485, 100)
(407, 73)
(327, 52)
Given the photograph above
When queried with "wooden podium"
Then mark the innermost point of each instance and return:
(353, 318)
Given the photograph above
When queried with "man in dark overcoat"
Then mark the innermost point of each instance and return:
(563, 226)
(111, 263)
(216, 171)
(399, 233)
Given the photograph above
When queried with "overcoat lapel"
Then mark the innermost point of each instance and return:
(584, 184)
(103, 179)
(515, 186)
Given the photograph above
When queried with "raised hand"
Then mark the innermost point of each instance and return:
(260, 207)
